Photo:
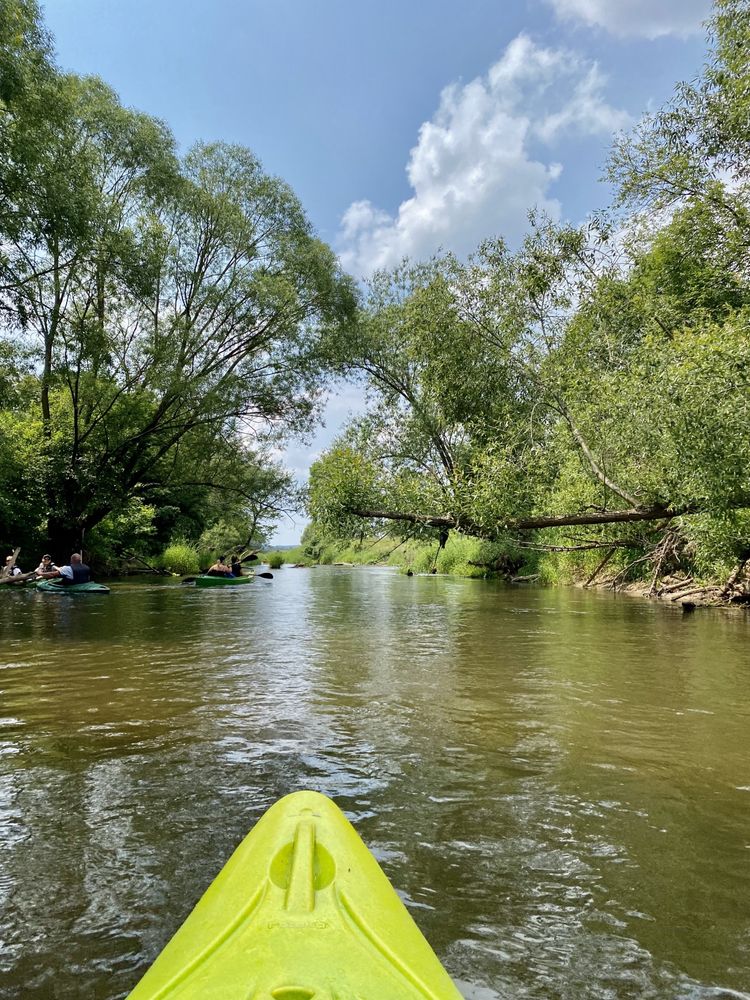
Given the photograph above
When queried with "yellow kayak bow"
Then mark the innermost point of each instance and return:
(301, 911)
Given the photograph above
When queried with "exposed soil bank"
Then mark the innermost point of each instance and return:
(684, 591)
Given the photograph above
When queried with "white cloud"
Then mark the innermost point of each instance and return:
(472, 170)
(647, 18)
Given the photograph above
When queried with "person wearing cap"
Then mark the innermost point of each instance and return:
(46, 567)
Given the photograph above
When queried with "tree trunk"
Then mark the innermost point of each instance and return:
(50, 332)
(64, 537)
(467, 527)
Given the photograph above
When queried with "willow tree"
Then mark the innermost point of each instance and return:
(549, 387)
(471, 394)
(167, 311)
(579, 380)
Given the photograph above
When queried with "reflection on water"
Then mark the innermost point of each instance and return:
(558, 783)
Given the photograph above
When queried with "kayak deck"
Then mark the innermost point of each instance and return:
(301, 911)
(221, 581)
(51, 587)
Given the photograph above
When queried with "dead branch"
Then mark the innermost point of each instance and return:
(7, 567)
(19, 578)
(677, 586)
(600, 567)
(695, 590)
(735, 575)
(149, 568)
(540, 547)
(615, 580)
(666, 547)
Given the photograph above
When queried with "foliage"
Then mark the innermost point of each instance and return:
(163, 313)
(458, 555)
(597, 373)
(181, 557)
(275, 560)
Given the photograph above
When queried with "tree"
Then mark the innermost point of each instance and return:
(580, 380)
(697, 147)
(464, 362)
(548, 388)
(219, 344)
(168, 311)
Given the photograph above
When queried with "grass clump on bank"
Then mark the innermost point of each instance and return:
(182, 558)
(652, 561)
(459, 556)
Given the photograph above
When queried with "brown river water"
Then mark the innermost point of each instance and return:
(557, 782)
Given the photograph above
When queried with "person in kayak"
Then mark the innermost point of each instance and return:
(11, 568)
(47, 568)
(75, 572)
(236, 566)
(220, 568)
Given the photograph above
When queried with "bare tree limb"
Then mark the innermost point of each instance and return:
(469, 527)
(600, 567)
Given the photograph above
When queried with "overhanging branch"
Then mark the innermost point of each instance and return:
(468, 527)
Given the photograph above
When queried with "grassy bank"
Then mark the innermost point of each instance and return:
(460, 556)
(669, 574)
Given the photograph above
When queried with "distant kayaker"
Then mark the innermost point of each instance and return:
(76, 571)
(47, 568)
(220, 568)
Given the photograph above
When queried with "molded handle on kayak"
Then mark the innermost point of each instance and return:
(301, 911)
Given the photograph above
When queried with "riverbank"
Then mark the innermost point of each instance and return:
(620, 570)
(685, 592)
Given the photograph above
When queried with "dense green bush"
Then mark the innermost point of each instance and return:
(181, 557)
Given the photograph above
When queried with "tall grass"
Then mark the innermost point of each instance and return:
(180, 557)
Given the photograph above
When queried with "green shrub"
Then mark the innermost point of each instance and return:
(275, 560)
(297, 555)
(222, 537)
(181, 557)
(121, 534)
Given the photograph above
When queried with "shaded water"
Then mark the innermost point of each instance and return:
(557, 782)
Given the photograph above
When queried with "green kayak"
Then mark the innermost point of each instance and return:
(221, 581)
(301, 911)
(53, 587)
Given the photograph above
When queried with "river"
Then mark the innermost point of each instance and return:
(556, 781)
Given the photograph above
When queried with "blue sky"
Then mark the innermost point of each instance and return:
(402, 126)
